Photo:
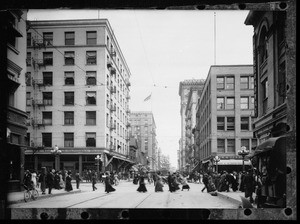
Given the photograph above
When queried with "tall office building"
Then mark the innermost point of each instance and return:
(225, 114)
(143, 127)
(189, 94)
(77, 96)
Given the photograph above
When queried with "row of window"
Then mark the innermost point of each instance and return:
(91, 38)
(69, 78)
(90, 140)
(69, 58)
(247, 102)
(227, 82)
(90, 119)
(230, 144)
(228, 123)
(69, 99)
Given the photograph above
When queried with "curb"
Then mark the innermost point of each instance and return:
(239, 202)
(45, 196)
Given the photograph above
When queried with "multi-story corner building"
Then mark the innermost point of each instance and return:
(77, 96)
(274, 52)
(144, 128)
(188, 92)
(271, 74)
(13, 108)
(225, 116)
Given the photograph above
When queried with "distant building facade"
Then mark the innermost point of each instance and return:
(143, 127)
(188, 92)
(225, 114)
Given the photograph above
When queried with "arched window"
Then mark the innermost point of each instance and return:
(263, 45)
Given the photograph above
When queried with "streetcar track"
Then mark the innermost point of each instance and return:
(102, 196)
(143, 200)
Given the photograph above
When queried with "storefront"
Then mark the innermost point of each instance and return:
(231, 165)
(77, 160)
(16, 145)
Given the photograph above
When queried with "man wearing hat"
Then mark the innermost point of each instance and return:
(249, 185)
(50, 180)
(27, 179)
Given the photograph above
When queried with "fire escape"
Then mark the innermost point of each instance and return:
(37, 86)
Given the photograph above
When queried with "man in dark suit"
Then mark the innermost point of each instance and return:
(170, 181)
(50, 180)
(78, 179)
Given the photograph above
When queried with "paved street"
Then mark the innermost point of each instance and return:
(126, 196)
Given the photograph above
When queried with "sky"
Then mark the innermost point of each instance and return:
(163, 48)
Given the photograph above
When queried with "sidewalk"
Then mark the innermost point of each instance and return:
(18, 197)
(234, 197)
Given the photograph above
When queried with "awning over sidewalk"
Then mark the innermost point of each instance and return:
(233, 162)
(268, 145)
(196, 167)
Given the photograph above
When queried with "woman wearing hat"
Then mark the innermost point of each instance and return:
(158, 184)
(142, 186)
(108, 187)
(68, 181)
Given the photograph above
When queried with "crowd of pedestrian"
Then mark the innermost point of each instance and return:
(248, 182)
(49, 179)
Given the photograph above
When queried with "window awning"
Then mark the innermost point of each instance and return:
(69, 55)
(268, 145)
(91, 94)
(91, 54)
(233, 162)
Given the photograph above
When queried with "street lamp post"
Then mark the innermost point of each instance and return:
(217, 159)
(98, 158)
(56, 152)
(243, 152)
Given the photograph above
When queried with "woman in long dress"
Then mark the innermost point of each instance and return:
(175, 183)
(34, 179)
(142, 186)
(68, 182)
(184, 184)
(61, 181)
(158, 184)
(108, 187)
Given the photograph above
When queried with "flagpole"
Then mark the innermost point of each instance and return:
(215, 44)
